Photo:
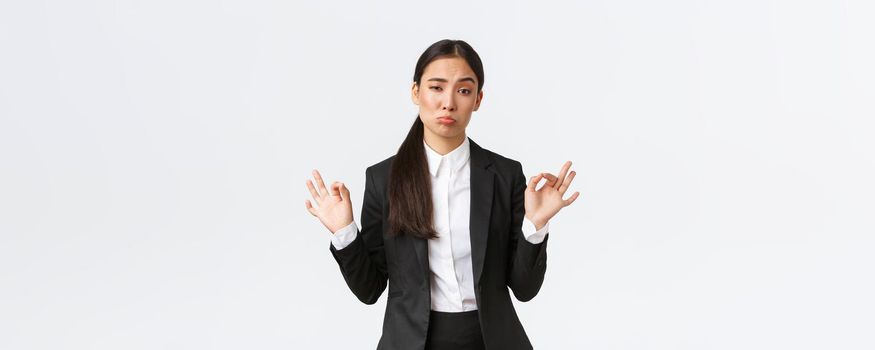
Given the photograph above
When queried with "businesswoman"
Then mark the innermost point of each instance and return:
(448, 225)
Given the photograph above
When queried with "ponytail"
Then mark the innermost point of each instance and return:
(410, 201)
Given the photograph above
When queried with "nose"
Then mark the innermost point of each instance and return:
(449, 103)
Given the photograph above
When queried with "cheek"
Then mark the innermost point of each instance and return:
(465, 103)
(470, 101)
(429, 103)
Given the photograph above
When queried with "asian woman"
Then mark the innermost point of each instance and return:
(449, 227)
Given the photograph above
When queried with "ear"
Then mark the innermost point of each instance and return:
(414, 93)
(479, 98)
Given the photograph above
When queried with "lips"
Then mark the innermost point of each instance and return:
(446, 120)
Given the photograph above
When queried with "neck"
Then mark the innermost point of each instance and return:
(443, 145)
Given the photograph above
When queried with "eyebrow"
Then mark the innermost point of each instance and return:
(442, 80)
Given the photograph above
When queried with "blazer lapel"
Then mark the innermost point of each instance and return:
(481, 206)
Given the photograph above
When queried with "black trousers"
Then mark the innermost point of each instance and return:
(454, 331)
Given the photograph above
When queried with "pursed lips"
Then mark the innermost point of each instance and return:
(446, 120)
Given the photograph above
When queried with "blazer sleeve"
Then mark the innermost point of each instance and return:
(528, 261)
(363, 262)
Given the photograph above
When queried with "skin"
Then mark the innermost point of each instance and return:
(448, 88)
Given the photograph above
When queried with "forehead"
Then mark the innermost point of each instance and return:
(450, 68)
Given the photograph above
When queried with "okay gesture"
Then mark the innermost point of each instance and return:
(542, 204)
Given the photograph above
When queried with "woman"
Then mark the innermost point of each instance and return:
(447, 224)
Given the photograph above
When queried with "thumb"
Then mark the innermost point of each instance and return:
(534, 180)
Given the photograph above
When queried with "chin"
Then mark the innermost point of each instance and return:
(444, 131)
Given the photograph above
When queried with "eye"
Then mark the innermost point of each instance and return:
(436, 88)
(464, 91)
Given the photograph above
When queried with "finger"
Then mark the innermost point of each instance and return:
(322, 190)
(533, 182)
(567, 182)
(562, 174)
(551, 179)
(313, 192)
(335, 188)
(571, 200)
(310, 207)
(344, 192)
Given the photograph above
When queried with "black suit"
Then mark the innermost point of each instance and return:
(501, 257)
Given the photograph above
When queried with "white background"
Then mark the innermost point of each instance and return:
(154, 155)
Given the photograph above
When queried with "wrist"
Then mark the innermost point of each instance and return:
(538, 222)
(334, 231)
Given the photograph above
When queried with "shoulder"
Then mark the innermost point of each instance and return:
(502, 164)
(380, 170)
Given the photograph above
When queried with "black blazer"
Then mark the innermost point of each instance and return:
(500, 254)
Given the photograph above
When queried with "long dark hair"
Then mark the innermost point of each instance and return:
(410, 200)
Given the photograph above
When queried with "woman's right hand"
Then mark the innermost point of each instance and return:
(334, 209)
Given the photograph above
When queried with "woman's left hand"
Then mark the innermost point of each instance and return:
(542, 204)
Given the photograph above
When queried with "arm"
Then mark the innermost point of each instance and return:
(363, 261)
(529, 258)
(528, 261)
